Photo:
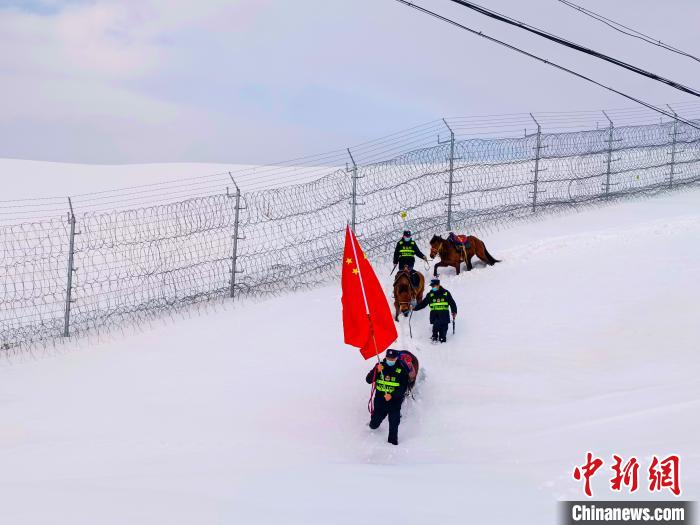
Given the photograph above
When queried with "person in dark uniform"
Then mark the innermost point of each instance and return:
(405, 254)
(441, 303)
(391, 380)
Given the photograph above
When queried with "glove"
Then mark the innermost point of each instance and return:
(387, 397)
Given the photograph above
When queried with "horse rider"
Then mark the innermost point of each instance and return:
(391, 379)
(441, 303)
(405, 255)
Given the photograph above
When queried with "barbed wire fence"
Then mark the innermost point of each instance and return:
(103, 260)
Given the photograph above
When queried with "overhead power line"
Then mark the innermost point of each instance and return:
(617, 26)
(575, 46)
(545, 61)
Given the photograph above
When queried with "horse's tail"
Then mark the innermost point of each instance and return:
(490, 257)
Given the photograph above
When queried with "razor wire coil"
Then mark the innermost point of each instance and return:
(142, 251)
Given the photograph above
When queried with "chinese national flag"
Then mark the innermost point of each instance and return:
(363, 295)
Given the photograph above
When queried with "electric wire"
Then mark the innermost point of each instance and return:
(617, 26)
(572, 45)
(553, 64)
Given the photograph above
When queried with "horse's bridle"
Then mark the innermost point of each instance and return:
(414, 292)
(438, 250)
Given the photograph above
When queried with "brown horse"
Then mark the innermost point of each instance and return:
(450, 255)
(405, 293)
(410, 361)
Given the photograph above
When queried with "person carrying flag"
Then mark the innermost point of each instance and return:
(391, 379)
(441, 303)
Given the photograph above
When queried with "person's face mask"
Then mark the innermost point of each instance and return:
(435, 288)
(391, 362)
(406, 238)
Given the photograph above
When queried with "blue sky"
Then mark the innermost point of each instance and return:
(260, 80)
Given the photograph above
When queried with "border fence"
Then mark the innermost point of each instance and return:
(100, 260)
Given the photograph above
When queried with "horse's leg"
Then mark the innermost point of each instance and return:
(456, 260)
(469, 261)
(480, 251)
(397, 308)
(439, 264)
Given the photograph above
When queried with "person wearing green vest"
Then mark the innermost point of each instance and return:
(391, 379)
(406, 251)
(441, 303)
(405, 254)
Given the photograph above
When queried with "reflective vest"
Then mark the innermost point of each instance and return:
(439, 304)
(407, 249)
(388, 383)
(438, 301)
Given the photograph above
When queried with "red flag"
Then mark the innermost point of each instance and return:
(365, 308)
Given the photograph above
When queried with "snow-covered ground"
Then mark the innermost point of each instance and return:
(585, 338)
(29, 179)
(60, 179)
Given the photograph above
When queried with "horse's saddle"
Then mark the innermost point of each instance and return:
(459, 241)
(413, 277)
(411, 363)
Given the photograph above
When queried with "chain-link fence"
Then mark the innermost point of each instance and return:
(108, 261)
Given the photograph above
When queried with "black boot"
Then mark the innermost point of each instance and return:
(393, 440)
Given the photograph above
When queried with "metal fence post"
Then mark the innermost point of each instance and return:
(236, 236)
(353, 202)
(609, 159)
(71, 269)
(673, 147)
(538, 149)
(450, 181)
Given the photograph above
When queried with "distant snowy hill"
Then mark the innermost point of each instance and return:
(28, 179)
(585, 338)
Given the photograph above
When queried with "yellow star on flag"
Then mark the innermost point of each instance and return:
(348, 261)
(355, 271)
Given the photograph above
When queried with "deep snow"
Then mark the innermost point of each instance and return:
(584, 338)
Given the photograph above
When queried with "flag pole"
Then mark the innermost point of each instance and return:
(364, 297)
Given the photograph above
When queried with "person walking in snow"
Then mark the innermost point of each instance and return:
(391, 380)
(441, 303)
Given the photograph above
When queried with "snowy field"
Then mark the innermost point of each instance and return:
(59, 180)
(585, 338)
